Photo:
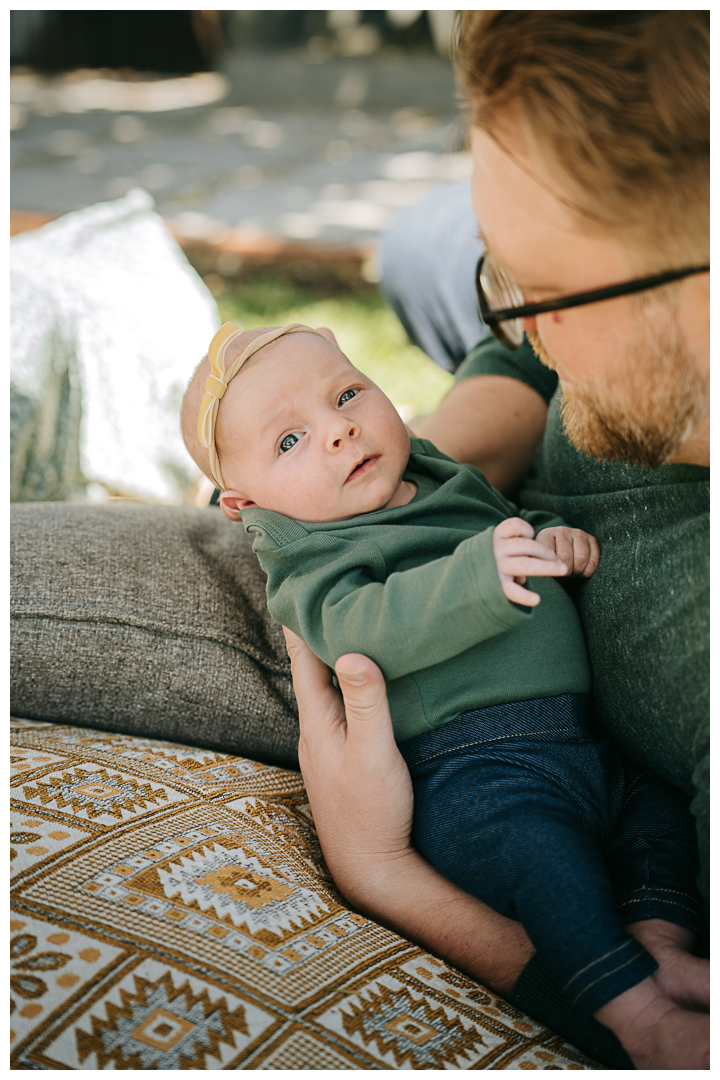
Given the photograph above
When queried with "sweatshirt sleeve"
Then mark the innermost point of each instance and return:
(413, 619)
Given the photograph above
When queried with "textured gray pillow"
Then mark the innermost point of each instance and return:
(148, 620)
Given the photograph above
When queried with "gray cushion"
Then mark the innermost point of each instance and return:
(148, 620)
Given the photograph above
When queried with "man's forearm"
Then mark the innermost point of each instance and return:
(408, 896)
(492, 422)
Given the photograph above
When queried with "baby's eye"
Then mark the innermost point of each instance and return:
(346, 396)
(288, 442)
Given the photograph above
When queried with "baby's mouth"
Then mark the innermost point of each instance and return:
(363, 466)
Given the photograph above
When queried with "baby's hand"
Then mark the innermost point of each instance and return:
(578, 550)
(518, 555)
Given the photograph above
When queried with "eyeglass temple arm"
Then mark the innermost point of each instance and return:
(595, 295)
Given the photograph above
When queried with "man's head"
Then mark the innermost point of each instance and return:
(591, 167)
(300, 431)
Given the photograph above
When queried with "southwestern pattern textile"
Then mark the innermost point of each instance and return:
(171, 910)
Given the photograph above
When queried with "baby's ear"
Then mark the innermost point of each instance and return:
(326, 332)
(232, 503)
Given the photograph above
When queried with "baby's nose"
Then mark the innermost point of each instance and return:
(342, 432)
(351, 433)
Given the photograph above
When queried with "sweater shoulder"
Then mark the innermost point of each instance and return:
(423, 448)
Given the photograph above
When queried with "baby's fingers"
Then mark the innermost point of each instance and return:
(522, 545)
(513, 527)
(578, 550)
(518, 595)
(516, 566)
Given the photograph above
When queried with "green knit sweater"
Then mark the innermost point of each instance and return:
(645, 610)
(416, 588)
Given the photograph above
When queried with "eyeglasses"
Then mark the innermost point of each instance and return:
(502, 307)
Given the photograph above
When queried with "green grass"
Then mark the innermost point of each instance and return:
(367, 331)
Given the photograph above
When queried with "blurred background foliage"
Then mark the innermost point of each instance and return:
(188, 41)
(277, 147)
(366, 329)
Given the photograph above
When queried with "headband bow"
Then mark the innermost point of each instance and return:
(218, 379)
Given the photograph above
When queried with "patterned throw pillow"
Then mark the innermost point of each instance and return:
(171, 910)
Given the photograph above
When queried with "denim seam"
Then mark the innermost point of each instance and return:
(594, 962)
(657, 889)
(496, 738)
(606, 976)
(659, 900)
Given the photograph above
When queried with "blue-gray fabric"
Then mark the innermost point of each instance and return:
(438, 311)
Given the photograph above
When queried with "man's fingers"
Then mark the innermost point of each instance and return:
(292, 642)
(366, 705)
(303, 659)
(318, 701)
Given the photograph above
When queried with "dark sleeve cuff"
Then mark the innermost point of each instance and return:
(536, 993)
(490, 358)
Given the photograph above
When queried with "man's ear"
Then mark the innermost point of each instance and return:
(232, 503)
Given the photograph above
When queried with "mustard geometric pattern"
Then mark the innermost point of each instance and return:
(418, 1035)
(160, 1027)
(234, 885)
(95, 793)
(170, 909)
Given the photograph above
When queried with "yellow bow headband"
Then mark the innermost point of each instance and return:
(217, 381)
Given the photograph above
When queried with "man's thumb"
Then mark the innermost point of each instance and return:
(363, 690)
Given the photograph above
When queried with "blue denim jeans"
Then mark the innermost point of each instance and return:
(524, 807)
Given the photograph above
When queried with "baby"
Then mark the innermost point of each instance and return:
(375, 542)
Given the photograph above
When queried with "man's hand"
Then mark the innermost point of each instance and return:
(356, 778)
(518, 556)
(361, 797)
(682, 977)
(578, 550)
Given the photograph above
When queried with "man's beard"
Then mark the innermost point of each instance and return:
(643, 415)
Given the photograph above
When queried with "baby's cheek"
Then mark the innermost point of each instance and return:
(298, 494)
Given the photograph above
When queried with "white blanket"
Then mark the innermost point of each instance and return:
(106, 295)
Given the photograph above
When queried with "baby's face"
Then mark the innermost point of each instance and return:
(302, 432)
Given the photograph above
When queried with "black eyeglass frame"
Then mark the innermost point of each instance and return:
(525, 311)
